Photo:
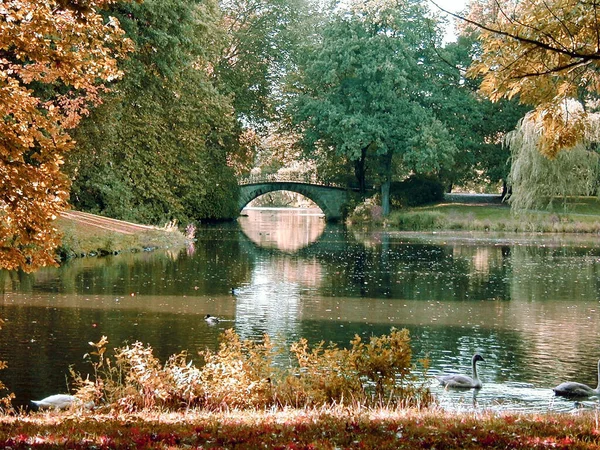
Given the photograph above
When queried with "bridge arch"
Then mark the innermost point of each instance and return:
(330, 199)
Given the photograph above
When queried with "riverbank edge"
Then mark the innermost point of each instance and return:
(327, 428)
(89, 235)
(487, 213)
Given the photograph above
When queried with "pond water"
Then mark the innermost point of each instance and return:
(529, 304)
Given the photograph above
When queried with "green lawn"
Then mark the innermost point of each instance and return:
(579, 215)
(80, 239)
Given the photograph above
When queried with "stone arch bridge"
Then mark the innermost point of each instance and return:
(331, 199)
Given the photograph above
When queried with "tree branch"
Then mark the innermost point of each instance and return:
(572, 54)
(572, 65)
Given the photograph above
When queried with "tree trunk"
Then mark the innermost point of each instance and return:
(360, 171)
(506, 191)
(386, 170)
(385, 198)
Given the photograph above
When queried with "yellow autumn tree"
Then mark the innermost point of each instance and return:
(544, 52)
(55, 56)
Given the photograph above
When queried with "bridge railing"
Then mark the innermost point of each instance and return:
(306, 178)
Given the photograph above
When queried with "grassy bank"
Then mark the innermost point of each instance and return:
(579, 215)
(331, 428)
(89, 235)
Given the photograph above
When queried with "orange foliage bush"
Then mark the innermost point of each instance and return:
(248, 374)
(54, 57)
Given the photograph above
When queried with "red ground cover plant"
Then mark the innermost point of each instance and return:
(319, 428)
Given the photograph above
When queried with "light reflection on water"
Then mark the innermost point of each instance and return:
(530, 306)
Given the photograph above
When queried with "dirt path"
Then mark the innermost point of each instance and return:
(119, 226)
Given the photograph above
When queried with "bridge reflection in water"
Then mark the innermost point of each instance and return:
(285, 229)
(271, 301)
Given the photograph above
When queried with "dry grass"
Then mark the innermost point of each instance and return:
(243, 374)
(322, 428)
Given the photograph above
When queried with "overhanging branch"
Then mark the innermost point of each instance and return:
(572, 54)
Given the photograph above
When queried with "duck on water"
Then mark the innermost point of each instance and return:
(211, 320)
(459, 381)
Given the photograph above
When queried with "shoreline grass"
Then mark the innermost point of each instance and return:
(324, 428)
(577, 215)
(80, 240)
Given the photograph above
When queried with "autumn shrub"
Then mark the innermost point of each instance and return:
(321, 375)
(239, 374)
(385, 362)
(366, 373)
(147, 379)
(106, 385)
(247, 374)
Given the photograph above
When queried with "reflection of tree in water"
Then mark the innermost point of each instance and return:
(553, 272)
(217, 263)
(396, 269)
(381, 265)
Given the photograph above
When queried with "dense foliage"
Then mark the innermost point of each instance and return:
(475, 124)
(158, 148)
(261, 38)
(361, 92)
(417, 190)
(54, 57)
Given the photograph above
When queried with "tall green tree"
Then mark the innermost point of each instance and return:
(158, 148)
(361, 93)
(261, 40)
(475, 123)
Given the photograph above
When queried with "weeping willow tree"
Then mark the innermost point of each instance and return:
(536, 180)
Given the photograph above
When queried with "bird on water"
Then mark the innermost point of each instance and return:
(574, 389)
(211, 320)
(463, 381)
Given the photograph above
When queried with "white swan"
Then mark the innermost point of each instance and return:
(463, 381)
(211, 320)
(58, 401)
(573, 389)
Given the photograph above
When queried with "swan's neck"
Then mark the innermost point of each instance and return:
(474, 363)
(598, 387)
